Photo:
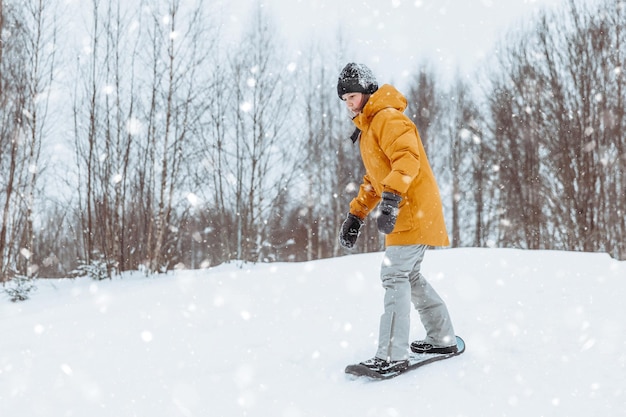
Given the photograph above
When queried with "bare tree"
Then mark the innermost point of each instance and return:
(40, 51)
(468, 167)
(209, 162)
(129, 149)
(27, 68)
(262, 151)
(583, 154)
(103, 144)
(425, 104)
(556, 108)
(9, 58)
(177, 58)
(518, 120)
(328, 159)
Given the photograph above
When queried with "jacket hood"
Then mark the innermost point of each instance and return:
(387, 96)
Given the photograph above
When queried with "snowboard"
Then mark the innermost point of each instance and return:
(416, 360)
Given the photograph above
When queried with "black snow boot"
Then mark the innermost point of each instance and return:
(419, 346)
(384, 367)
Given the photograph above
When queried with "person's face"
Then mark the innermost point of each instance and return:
(353, 102)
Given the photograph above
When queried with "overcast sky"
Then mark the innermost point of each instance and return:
(395, 36)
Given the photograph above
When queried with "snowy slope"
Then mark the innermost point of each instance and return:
(546, 336)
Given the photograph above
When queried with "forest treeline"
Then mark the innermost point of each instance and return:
(180, 149)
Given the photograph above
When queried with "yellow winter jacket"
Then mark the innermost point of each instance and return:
(395, 161)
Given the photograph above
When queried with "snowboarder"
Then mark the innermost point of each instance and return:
(400, 181)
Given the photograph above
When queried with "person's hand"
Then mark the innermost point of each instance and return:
(388, 208)
(350, 231)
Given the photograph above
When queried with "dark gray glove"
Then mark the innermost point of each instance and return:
(350, 231)
(388, 208)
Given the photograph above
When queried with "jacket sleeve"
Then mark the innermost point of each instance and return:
(365, 201)
(398, 141)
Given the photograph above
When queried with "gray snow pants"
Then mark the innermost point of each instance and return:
(403, 284)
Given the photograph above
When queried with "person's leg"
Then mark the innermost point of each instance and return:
(431, 308)
(393, 336)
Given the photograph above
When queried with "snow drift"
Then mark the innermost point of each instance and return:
(545, 333)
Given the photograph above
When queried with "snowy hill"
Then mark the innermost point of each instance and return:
(545, 333)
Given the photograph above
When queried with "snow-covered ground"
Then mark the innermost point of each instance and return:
(545, 334)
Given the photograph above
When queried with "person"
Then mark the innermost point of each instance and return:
(399, 180)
